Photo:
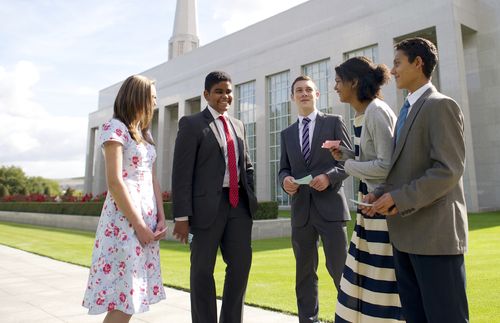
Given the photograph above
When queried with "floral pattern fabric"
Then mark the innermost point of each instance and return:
(124, 275)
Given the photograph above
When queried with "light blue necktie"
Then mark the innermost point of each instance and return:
(402, 118)
(306, 149)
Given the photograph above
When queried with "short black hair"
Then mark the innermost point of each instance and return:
(301, 78)
(369, 76)
(215, 77)
(423, 48)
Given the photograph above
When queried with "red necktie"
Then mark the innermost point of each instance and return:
(231, 165)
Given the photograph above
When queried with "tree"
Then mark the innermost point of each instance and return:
(14, 179)
(40, 185)
(3, 191)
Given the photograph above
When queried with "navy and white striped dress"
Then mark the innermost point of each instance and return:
(368, 289)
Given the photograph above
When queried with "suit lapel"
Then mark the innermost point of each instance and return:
(320, 117)
(211, 123)
(415, 109)
(294, 131)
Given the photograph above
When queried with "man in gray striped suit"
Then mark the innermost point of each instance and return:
(319, 208)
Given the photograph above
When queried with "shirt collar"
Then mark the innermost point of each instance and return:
(413, 97)
(312, 116)
(215, 113)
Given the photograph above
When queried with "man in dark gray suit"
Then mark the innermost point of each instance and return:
(213, 201)
(319, 208)
(423, 197)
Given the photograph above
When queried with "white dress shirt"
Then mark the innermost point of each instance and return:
(413, 97)
(312, 116)
(220, 127)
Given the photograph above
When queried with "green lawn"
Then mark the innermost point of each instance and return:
(283, 213)
(271, 282)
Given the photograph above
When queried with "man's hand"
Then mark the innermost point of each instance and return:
(181, 231)
(289, 186)
(385, 205)
(320, 182)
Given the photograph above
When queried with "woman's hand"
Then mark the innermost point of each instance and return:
(336, 154)
(161, 230)
(144, 234)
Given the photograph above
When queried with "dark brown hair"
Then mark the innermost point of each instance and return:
(423, 48)
(369, 76)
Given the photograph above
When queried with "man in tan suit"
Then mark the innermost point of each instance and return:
(423, 197)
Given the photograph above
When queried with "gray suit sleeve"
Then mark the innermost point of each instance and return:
(447, 158)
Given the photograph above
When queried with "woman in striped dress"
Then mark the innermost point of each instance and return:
(368, 290)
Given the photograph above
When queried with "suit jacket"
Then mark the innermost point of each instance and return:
(425, 179)
(331, 202)
(199, 167)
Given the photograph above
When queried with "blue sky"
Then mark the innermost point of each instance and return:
(55, 55)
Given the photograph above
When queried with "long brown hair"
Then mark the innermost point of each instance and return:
(134, 107)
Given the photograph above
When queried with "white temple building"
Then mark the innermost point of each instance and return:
(312, 38)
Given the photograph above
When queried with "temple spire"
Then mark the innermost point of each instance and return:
(185, 35)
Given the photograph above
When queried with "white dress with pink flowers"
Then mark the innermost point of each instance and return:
(124, 275)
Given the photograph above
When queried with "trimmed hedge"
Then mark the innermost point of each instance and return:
(71, 208)
(265, 210)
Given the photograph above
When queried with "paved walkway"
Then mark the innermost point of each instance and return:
(38, 289)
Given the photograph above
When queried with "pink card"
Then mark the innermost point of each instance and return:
(329, 144)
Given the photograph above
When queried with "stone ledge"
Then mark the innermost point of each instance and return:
(262, 229)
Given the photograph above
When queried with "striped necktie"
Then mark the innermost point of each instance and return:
(306, 149)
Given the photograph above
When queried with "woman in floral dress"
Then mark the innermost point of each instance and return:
(368, 288)
(125, 275)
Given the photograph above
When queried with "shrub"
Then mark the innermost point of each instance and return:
(71, 208)
(265, 210)
(87, 197)
(34, 197)
(100, 197)
(167, 206)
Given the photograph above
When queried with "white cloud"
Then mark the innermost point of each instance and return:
(29, 135)
(16, 91)
(64, 29)
(84, 91)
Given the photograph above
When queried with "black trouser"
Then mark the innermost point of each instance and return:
(431, 288)
(232, 231)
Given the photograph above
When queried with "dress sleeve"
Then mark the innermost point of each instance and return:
(114, 130)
